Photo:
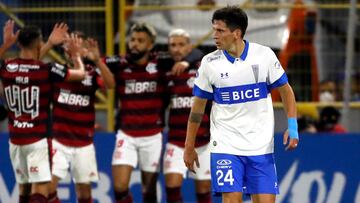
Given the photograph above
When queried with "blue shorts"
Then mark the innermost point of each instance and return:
(246, 174)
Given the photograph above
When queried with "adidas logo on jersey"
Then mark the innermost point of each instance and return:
(73, 99)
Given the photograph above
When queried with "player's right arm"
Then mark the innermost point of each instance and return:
(9, 37)
(194, 121)
(57, 36)
(78, 72)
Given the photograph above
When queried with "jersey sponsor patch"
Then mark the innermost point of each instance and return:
(240, 94)
(66, 97)
(133, 87)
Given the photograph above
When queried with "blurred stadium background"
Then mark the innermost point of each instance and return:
(315, 40)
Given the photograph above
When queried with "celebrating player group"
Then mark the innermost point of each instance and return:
(220, 116)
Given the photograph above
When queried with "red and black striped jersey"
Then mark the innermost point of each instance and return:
(73, 113)
(140, 93)
(179, 90)
(27, 88)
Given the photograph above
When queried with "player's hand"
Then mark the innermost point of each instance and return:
(179, 67)
(9, 36)
(190, 156)
(291, 132)
(93, 52)
(58, 34)
(292, 144)
(74, 45)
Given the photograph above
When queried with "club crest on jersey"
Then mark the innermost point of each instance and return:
(12, 67)
(224, 75)
(88, 80)
(151, 68)
(277, 65)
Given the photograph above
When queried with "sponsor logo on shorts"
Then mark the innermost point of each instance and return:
(223, 162)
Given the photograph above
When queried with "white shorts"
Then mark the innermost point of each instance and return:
(31, 163)
(174, 162)
(80, 160)
(133, 150)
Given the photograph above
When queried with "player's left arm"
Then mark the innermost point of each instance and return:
(289, 103)
(9, 37)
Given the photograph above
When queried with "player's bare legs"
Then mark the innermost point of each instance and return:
(83, 191)
(173, 182)
(149, 186)
(232, 197)
(121, 176)
(53, 198)
(24, 192)
(41, 188)
(203, 190)
(263, 198)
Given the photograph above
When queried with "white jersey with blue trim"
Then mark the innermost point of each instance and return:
(242, 117)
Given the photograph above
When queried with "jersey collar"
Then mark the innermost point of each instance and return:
(231, 59)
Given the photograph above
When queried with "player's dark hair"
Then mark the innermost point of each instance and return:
(144, 27)
(28, 36)
(234, 18)
(80, 34)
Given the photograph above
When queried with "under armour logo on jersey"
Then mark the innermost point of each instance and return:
(255, 69)
(224, 75)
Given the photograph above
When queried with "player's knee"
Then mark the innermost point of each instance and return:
(83, 191)
(203, 186)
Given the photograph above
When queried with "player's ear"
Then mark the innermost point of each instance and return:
(237, 33)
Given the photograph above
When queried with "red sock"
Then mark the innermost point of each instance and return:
(24, 198)
(37, 198)
(173, 194)
(53, 198)
(203, 197)
(123, 197)
(89, 200)
(149, 197)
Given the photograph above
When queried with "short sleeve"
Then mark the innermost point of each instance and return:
(202, 85)
(58, 72)
(113, 62)
(276, 74)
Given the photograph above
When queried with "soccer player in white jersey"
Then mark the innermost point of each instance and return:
(238, 77)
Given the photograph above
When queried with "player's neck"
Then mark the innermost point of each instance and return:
(143, 60)
(28, 54)
(237, 49)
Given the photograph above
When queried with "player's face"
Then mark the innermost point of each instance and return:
(224, 38)
(179, 47)
(139, 44)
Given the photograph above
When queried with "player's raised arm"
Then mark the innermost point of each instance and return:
(94, 55)
(195, 118)
(57, 36)
(73, 49)
(9, 37)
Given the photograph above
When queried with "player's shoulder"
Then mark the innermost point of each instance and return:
(213, 56)
(259, 48)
